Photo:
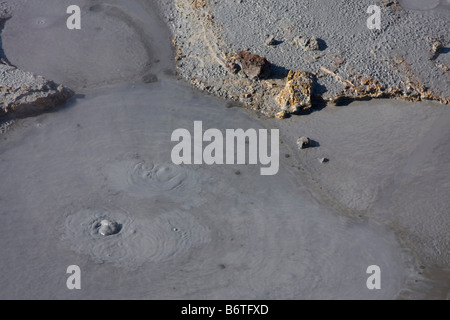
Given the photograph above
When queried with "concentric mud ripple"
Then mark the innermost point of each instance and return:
(114, 237)
(108, 228)
(141, 179)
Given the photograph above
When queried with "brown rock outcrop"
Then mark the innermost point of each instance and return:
(253, 65)
(296, 95)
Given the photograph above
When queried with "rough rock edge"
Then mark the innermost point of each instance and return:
(23, 101)
(261, 94)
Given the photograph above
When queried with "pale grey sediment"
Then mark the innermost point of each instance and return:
(206, 232)
(250, 236)
(393, 167)
(113, 46)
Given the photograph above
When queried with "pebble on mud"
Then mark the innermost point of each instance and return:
(304, 142)
(436, 48)
(308, 43)
(270, 41)
(254, 66)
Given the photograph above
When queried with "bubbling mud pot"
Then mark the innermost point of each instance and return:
(117, 238)
(144, 179)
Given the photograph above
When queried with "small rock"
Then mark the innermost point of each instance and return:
(308, 43)
(436, 48)
(323, 160)
(270, 41)
(314, 45)
(297, 93)
(301, 41)
(254, 66)
(304, 142)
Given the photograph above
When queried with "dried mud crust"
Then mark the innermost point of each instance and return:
(216, 59)
(24, 94)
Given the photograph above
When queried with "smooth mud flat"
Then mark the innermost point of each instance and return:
(93, 184)
(212, 234)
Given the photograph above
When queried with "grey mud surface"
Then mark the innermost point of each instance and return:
(200, 232)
